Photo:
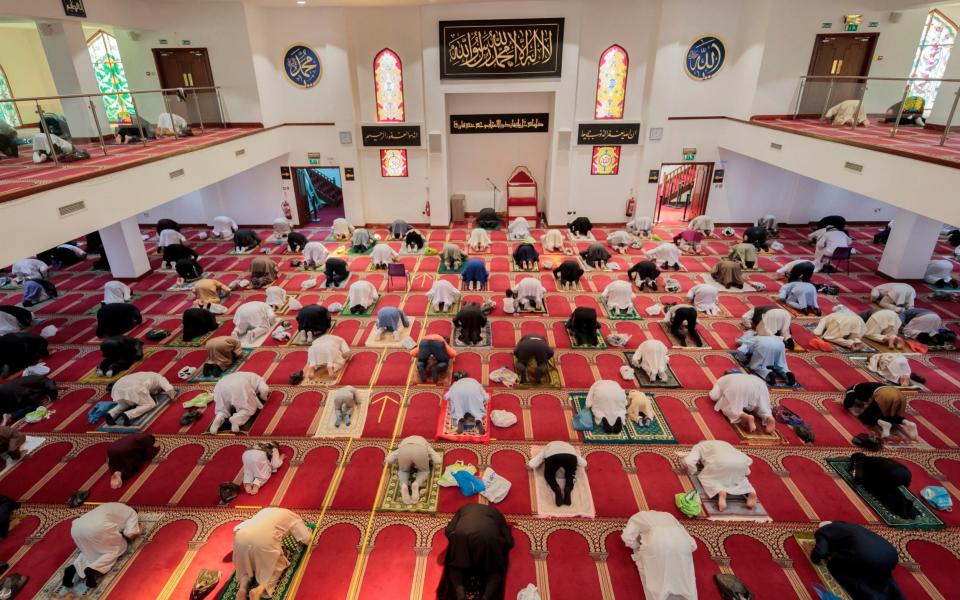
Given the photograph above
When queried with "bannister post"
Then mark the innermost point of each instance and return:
(46, 131)
(856, 115)
(136, 112)
(953, 110)
(223, 118)
(172, 125)
(826, 103)
(796, 109)
(896, 124)
(96, 122)
(196, 103)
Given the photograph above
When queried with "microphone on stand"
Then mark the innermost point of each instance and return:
(493, 184)
(495, 190)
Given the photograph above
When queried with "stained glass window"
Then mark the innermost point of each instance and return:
(606, 160)
(611, 83)
(8, 110)
(936, 43)
(388, 84)
(393, 163)
(108, 68)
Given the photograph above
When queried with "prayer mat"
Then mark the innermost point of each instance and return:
(645, 382)
(37, 305)
(554, 258)
(353, 252)
(140, 423)
(936, 288)
(807, 541)
(199, 377)
(235, 252)
(282, 310)
(53, 588)
(600, 344)
(744, 362)
(925, 520)
(96, 307)
(326, 427)
(793, 312)
(861, 361)
(179, 342)
(554, 380)
(10, 285)
(530, 310)
(390, 340)
(581, 498)
(368, 312)
(736, 507)
(342, 285)
(758, 437)
(658, 432)
(446, 378)
(901, 441)
(28, 446)
(305, 269)
(583, 238)
(675, 341)
(617, 315)
(188, 285)
(443, 270)
(589, 269)
(248, 344)
(225, 427)
(323, 379)
(747, 288)
(871, 347)
(515, 268)
(881, 347)
(486, 338)
(404, 251)
(450, 312)
(294, 551)
(497, 228)
(429, 494)
(300, 338)
(93, 378)
(447, 428)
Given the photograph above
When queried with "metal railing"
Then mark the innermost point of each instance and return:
(863, 83)
(182, 95)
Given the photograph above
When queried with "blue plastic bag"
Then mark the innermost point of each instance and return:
(469, 483)
(583, 420)
(99, 410)
(937, 497)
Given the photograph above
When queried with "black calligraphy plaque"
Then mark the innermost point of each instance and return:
(598, 134)
(380, 136)
(497, 49)
(74, 8)
(501, 123)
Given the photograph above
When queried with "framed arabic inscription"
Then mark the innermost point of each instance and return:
(501, 49)
(501, 123)
(386, 136)
(608, 134)
(301, 65)
(705, 58)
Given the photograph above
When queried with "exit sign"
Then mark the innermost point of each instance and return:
(689, 153)
(851, 27)
(314, 161)
(826, 25)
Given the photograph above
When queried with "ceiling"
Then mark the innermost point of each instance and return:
(347, 3)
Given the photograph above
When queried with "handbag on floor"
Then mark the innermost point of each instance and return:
(229, 491)
(731, 588)
(583, 420)
(689, 503)
(206, 581)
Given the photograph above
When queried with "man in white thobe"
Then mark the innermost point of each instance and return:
(769, 320)
(135, 395)
(744, 398)
(314, 254)
(785, 271)
(224, 227)
(237, 397)
(327, 351)
(101, 536)
(342, 229)
(413, 455)
(653, 357)
(620, 241)
(608, 403)
(252, 321)
(382, 255)
(723, 471)
(29, 268)
(829, 241)
(479, 240)
(663, 552)
(891, 366)
(897, 297)
(640, 226)
(116, 291)
(618, 295)
(258, 465)
(467, 397)
(667, 255)
(519, 229)
(923, 325)
(361, 296)
(281, 228)
(882, 326)
(443, 295)
(940, 273)
(530, 292)
(703, 224)
(843, 328)
(169, 237)
(552, 241)
(276, 296)
(704, 298)
(258, 550)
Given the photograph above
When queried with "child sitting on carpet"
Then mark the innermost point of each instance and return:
(508, 303)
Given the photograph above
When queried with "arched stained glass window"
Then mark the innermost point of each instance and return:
(936, 43)
(8, 110)
(108, 68)
(388, 84)
(612, 83)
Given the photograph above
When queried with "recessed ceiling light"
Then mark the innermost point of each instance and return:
(301, 1)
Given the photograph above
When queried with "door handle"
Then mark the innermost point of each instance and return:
(190, 77)
(185, 82)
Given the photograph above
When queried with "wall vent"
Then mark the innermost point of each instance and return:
(240, 152)
(564, 137)
(435, 142)
(776, 146)
(177, 173)
(853, 167)
(73, 207)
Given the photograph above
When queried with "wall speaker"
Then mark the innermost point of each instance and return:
(435, 141)
(895, 16)
(563, 139)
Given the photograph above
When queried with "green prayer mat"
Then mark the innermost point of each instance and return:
(345, 311)
(199, 377)
(443, 270)
(497, 228)
(350, 250)
(429, 493)
(806, 541)
(600, 344)
(657, 433)
(449, 313)
(926, 519)
(616, 315)
(179, 342)
(645, 382)
(553, 376)
(294, 551)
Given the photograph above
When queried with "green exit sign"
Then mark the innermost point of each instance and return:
(851, 27)
(689, 156)
(314, 161)
(826, 25)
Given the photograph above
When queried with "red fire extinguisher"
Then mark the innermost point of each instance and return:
(631, 206)
(426, 209)
(285, 207)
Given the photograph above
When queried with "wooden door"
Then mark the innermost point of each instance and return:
(188, 68)
(844, 54)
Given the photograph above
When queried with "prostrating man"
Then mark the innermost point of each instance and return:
(843, 328)
(487, 218)
(770, 320)
(595, 256)
(860, 560)
(525, 256)
(797, 270)
(282, 227)
(296, 241)
(328, 352)
(618, 296)
(276, 297)
(361, 296)
(391, 319)
(342, 229)
(245, 240)
(568, 273)
(29, 268)
(583, 326)
(835, 221)
(170, 237)
(224, 227)
(478, 544)
(757, 236)
(653, 357)
(101, 536)
(532, 348)
(470, 320)
(475, 274)
(175, 252)
(259, 463)
(518, 230)
(745, 254)
(882, 325)
(895, 296)
(222, 352)
(682, 319)
(580, 227)
(443, 295)
(769, 222)
(64, 255)
(940, 273)
(479, 240)
(703, 224)
(640, 226)
(237, 397)
(413, 456)
(923, 325)
(335, 272)
(554, 456)
(704, 298)
(892, 367)
(263, 272)
(119, 353)
(663, 552)
(36, 291)
(413, 241)
(802, 296)
(667, 255)
(136, 394)
(14, 319)
(722, 471)
(25, 394)
(208, 292)
(883, 477)
(644, 273)
(879, 405)
(117, 319)
(436, 347)
(689, 241)
(126, 456)
(258, 553)
(552, 241)
(382, 255)
(529, 293)
(314, 255)
(830, 241)
(452, 256)
(116, 291)
(620, 241)
(188, 270)
(767, 358)
(608, 403)
(399, 228)
(467, 404)
(252, 321)
(314, 320)
(8, 140)
(744, 398)
(20, 350)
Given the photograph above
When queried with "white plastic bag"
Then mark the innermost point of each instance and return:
(48, 332)
(37, 369)
(627, 373)
(503, 418)
(529, 593)
(218, 309)
(310, 283)
(654, 310)
(294, 304)
(776, 246)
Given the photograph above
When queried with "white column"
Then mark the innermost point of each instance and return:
(123, 244)
(910, 246)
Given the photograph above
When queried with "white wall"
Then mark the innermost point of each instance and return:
(23, 61)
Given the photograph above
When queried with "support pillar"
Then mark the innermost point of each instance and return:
(910, 246)
(123, 244)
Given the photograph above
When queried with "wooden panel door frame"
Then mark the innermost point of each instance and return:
(206, 102)
(156, 62)
(701, 188)
(873, 36)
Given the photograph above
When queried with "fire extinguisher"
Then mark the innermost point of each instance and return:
(285, 207)
(426, 209)
(631, 206)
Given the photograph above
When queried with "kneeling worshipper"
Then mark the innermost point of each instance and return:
(703, 224)
(438, 348)
(276, 297)
(14, 319)
(640, 225)
(891, 366)
(136, 394)
(362, 240)
(519, 229)
(682, 319)
(382, 255)
(126, 456)
(209, 292)
(529, 293)
(744, 399)
(452, 256)
(689, 241)
(56, 145)
(170, 236)
(222, 352)
(835, 221)
(399, 228)
(252, 321)
(526, 257)
(29, 268)
(314, 254)
(883, 478)
(11, 442)
(198, 322)
(101, 536)
(335, 272)
(667, 255)
(844, 328)
(487, 218)
(744, 253)
(314, 320)
(532, 348)
(259, 463)
(595, 256)
(568, 273)
(413, 456)
(296, 241)
(342, 229)
(923, 325)
(119, 353)
(704, 297)
(443, 295)
(117, 319)
(552, 241)
(663, 552)
(172, 125)
(413, 241)
(882, 326)
(608, 403)
(770, 320)
(860, 560)
(224, 227)
(245, 240)
(263, 272)
(830, 241)
(258, 554)
(769, 222)
(20, 350)
(802, 296)
(175, 252)
(722, 471)
(580, 227)
(767, 358)
(939, 273)
(345, 400)
(756, 235)
(620, 241)
(237, 397)
(64, 255)
(479, 240)
(653, 357)
(467, 404)
(281, 228)
(328, 352)
(583, 326)
(361, 296)
(478, 544)
(116, 291)
(555, 456)
(389, 320)
(25, 394)
(644, 273)
(475, 274)
(36, 291)
(618, 296)
(895, 296)
(188, 270)
(879, 405)
(164, 224)
(470, 320)
(797, 270)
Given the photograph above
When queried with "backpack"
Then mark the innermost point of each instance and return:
(731, 588)
(229, 491)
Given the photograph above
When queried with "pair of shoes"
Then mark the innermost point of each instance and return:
(771, 379)
(790, 378)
